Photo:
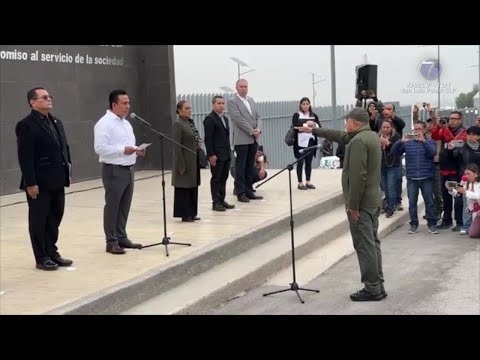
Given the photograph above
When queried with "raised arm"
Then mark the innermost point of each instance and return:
(338, 136)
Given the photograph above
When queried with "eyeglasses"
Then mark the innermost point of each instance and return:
(454, 118)
(44, 97)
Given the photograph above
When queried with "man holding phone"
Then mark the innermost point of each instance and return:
(419, 154)
(449, 167)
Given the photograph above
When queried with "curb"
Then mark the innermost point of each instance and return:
(121, 297)
(258, 276)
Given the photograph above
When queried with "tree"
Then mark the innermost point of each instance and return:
(465, 100)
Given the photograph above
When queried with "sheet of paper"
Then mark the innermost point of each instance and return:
(143, 146)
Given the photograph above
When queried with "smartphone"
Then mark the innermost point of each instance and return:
(452, 184)
(411, 136)
(457, 143)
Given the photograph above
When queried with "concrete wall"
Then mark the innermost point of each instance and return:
(80, 92)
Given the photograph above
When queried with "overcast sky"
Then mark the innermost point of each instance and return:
(283, 72)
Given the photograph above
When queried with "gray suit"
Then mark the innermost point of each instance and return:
(243, 124)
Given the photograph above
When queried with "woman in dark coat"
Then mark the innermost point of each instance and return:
(186, 167)
(304, 140)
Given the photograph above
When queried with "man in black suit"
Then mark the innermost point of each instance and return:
(217, 142)
(44, 158)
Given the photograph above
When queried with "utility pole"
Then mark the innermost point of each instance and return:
(334, 89)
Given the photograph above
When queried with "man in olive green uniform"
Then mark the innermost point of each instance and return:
(361, 190)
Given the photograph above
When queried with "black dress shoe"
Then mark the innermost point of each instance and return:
(114, 248)
(187, 219)
(254, 197)
(128, 244)
(196, 218)
(47, 265)
(243, 198)
(364, 295)
(228, 206)
(218, 207)
(61, 261)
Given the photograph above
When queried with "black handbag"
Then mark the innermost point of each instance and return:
(290, 136)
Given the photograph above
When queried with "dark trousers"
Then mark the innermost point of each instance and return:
(449, 204)
(244, 168)
(45, 214)
(185, 202)
(399, 187)
(308, 166)
(367, 245)
(118, 182)
(413, 188)
(389, 184)
(437, 192)
(218, 182)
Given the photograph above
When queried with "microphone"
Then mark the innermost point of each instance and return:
(319, 146)
(144, 122)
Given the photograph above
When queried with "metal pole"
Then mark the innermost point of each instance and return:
(313, 86)
(238, 67)
(334, 90)
(439, 71)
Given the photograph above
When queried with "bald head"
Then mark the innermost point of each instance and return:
(242, 87)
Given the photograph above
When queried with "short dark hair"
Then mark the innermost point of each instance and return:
(458, 113)
(475, 130)
(114, 95)
(214, 100)
(32, 94)
(423, 123)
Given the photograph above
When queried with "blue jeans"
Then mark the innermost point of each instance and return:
(467, 217)
(389, 185)
(426, 186)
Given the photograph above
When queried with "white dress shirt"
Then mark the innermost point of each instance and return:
(112, 134)
(246, 102)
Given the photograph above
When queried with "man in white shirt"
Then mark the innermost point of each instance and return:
(115, 145)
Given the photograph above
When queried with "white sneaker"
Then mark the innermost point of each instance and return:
(463, 232)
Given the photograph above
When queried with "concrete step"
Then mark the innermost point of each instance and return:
(246, 270)
(319, 261)
(124, 296)
(319, 244)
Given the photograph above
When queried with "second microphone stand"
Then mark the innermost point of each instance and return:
(166, 239)
(293, 285)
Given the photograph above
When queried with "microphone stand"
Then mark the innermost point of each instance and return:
(293, 285)
(166, 240)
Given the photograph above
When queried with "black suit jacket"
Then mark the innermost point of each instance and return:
(43, 160)
(217, 136)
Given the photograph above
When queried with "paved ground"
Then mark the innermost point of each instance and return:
(26, 290)
(424, 274)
